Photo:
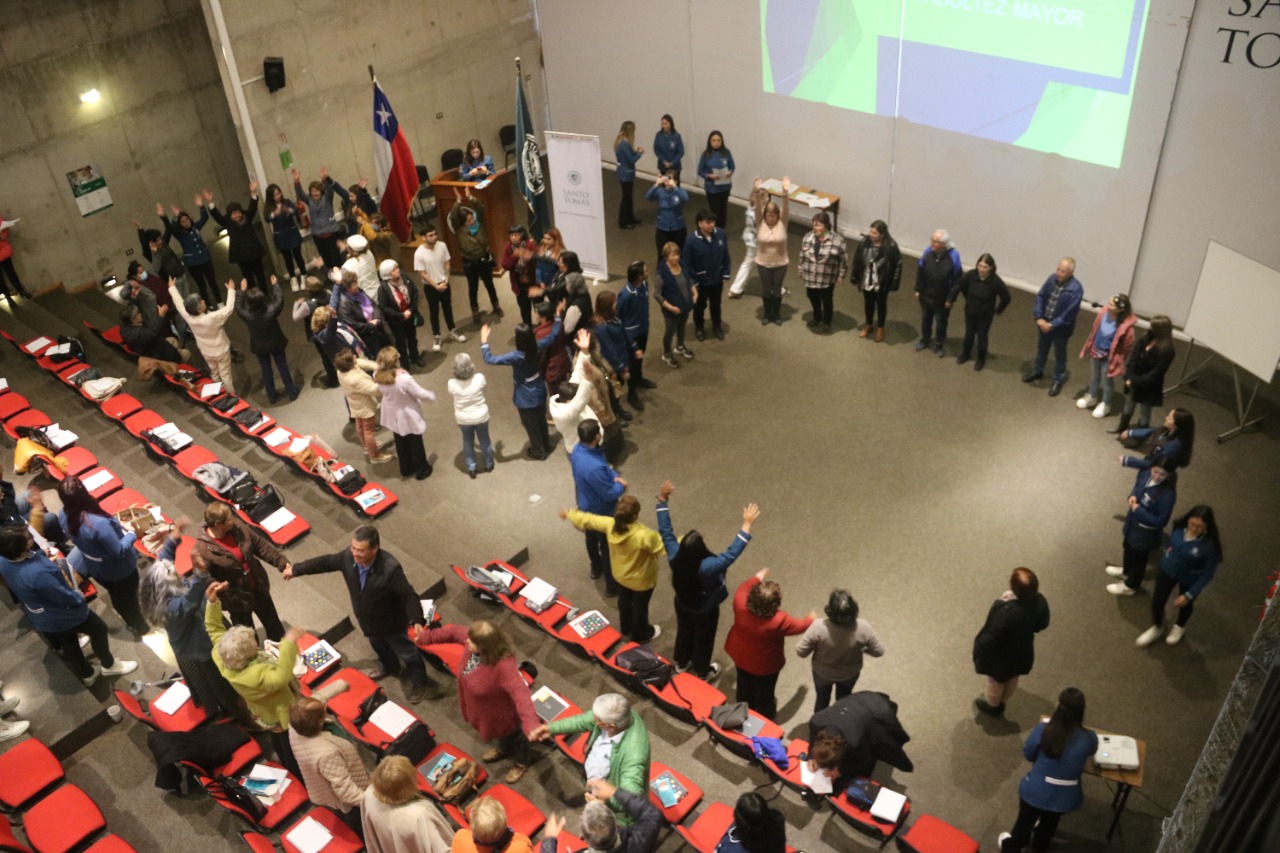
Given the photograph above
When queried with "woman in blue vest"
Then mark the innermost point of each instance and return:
(668, 147)
(1058, 750)
(1189, 563)
(624, 147)
(1155, 491)
(530, 393)
(715, 167)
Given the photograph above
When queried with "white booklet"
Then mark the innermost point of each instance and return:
(309, 835)
(888, 805)
(277, 520)
(212, 389)
(277, 437)
(392, 719)
(815, 780)
(173, 698)
(94, 481)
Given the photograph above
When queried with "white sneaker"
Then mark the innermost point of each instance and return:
(1086, 402)
(657, 632)
(1115, 571)
(713, 673)
(435, 344)
(120, 667)
(1148, 636)
(1101, 410)
(457, 336)
(1175, 635)
(9, 731)
(1120, 589)
(8, 705)
(1001, 838)
(88, 680)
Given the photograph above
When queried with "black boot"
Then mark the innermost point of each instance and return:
(633, 397)
(1122, 426)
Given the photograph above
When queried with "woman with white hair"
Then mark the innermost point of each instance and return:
(489, 831)
(267, 685)
(398, 302)
(599, 828)
(177, 603)
(396, 817)
(471, 411)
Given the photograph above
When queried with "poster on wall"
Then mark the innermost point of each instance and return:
(89, 189)
(578, 198)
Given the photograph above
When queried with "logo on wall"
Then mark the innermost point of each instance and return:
(575, 177)
(531, 157)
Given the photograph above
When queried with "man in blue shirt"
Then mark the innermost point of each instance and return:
(598, 488)
(1057, 305)
(706, 255)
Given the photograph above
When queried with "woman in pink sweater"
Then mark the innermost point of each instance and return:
(492, 695)
(757, 639)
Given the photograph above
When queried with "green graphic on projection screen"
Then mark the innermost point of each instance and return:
(1050, 76)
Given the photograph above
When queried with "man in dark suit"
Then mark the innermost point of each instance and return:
(384, 603)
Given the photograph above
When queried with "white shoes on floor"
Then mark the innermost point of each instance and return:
(120, 667)
(1148, 636)
(1086, 402)
(8, 705)
(1120, 589)
(1175, 635)
(1115, 571)
(1101, 410)
(9, 731)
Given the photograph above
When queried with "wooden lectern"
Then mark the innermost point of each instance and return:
(498, 213)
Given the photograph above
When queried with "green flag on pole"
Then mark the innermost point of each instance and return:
(533, 185)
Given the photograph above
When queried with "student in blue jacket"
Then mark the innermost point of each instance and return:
(530, 394)
(1189, 563)
(698, 578)
(624, 147)
(107, 550)
(55, 607)
(668, 147)
(706, 257)
(613, 346)
(675, 296)
(1174, 441)
(1155, 491)
(633, 311)
(1058, 750)
(715, 167)
(669, 227)
(195, 254)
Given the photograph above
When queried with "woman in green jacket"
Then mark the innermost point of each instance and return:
(466, 221)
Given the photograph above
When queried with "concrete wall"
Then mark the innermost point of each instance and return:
(161, 130)
(445, 65)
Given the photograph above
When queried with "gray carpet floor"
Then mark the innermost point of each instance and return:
(916, 483)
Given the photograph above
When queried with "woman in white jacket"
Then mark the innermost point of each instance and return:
(402, 413)
(471, 411)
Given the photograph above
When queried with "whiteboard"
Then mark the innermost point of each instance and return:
(1236, 310)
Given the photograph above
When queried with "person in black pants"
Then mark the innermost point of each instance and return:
(985, 296)
(698, 578)
(633, 311)
(384, 603)
(244, 248)
(398, 302)
(706, 256)
(1150, 508)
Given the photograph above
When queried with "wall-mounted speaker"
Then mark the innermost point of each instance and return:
(273, 71)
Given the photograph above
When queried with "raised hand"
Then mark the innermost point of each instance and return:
(324, 173)
(253, 186)
(484, 333)
(750, 513)
(762, 574)
(244, 284)
(215, 589)
(208, 196)
(583, 340)
(159, 209)
(275, 282)
(364, 183)
(665, 490)
(296, 175)
(231, 284)
(555, 826)
(173, 208)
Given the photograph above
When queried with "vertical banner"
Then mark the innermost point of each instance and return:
(574, 162)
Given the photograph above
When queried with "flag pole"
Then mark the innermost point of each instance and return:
(372, 78)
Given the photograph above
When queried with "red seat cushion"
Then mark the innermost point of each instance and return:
(343, 841)
(143, 420)
(29, 418)
(121, 406)
(705, 832)
(188, 717)
(63, 821)
(240, 760)
(111, 844)
(192, 458)
(122, 499)
(11, 404)
(482, 776)
(258, 842)
(78, 461)
(931, 835)
(26, 770)
(134, 708)
(862, 819)
(103, 489)
(677, 813)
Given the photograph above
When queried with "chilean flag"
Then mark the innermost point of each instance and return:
(397, 174)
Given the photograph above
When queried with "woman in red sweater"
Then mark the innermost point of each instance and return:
(491, 693)
(756, 641)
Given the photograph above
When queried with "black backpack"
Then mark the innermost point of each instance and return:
(646, 666)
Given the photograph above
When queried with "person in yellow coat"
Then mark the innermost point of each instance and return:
(633, 555)
(267, 686)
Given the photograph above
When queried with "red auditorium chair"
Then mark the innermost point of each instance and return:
(29, 418)
(738, 743)
(258, 843)
(62, 821)
(11, 404)
(293, 798)
(687, 697)
(677, 813)
(121, 406)
(133, 707)
(705, 833)
(862, 820)
(597, 646)
(482, 775)
(26, 771)
(9, 842)
(78, 459)
(141, 420)
(522, 816)
(101, 490)
(930, 835)
(344, 839)
(791, 776)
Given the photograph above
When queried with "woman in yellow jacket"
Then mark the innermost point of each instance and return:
(267, 686)
(633, 554)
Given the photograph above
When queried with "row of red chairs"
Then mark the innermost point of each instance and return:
(191, 383)
(691, 699)
(128, 412)
(55, 817)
